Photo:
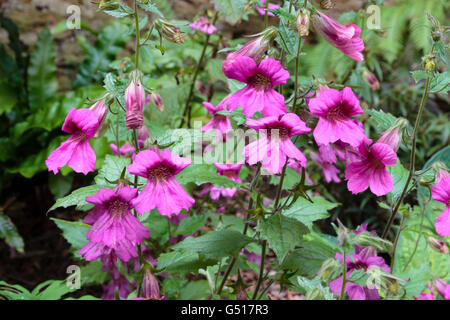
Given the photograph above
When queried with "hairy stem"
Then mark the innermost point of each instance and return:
(136, 20)
(344, 278)
(261, 269)
(412, 160)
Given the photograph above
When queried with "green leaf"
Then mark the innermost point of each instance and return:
(9, 233)
(399, 175)
(78, 198)
(307, 212)
(191, 224)
(382, 120)
(215, 244)
(121, 12)
(158, 226)
(195, 290)
(420, 74)
(288, 39)
(92, 273)
(316, 283)
(74, 232)
(283, 233)
(42, 83)
(204, 173)
(111, 170)
(150, 7)
(231, 10)
(51, 290)
(181, 262)
(60, 185)
(440, 83)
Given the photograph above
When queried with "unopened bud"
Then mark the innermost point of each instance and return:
(169, 31)
(343, 235)
(314, 294)
(303, 23)
(429, 62)
(157, 101)
(330, 269)
(380, 279)
(393, 136)
(150, 286)
(371, 80)
(326, 4)
(108, 5)
(366, 239)
(436, 35)
(134, 100)
(101, 110)
(438, 245)
(442, 288)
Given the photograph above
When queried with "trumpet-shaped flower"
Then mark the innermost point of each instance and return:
(370, 171)
(76, 151)
(203, 24)
(275, 145)
(258, 94)
(218, 121)
(441, 193)
(162, 190)
(262, 11)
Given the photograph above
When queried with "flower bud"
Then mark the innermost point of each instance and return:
(303, 23)
(371, 80)
(100, 109)
(429, 62)
(366, 239)
(134, 100)
(143, 135)
(330, 269)
(436, 35)
(343, 235)
(381, 280)
(150, 286)
(169, 31)
(441, 171)
(157, 101)
(442, 288)
(108, 5)
(438, 245)
(393, 136)
(326, 4)
(314, 294)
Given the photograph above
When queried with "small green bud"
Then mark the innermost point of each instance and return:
(108, 5)
(429, 62)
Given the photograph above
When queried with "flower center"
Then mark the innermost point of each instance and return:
(159, 173)
(118, 208)
(336, 114)
(277, 133)
(260, 82)
(358, 265)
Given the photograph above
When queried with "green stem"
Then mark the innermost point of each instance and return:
(265, 289)
(280, 186)
(261, 269)
(266, 15)
(344, 278)
(297, 62)
(412, 160)
(397, 236)
(136, 20)
(416, 245)
(187, 106)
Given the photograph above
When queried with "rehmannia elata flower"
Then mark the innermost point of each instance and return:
(335, 109)
(371, 80)
(370, 171)
(303, 23)
(218, 121)
(345, 38)
(115, 227)
(162, 190)
(262, 11)
(204, 25)
(442, 288)
(275, 145)
(76, 151)
(426, 296)
(393, 136)
(258, 94)
(231, 171)
(330, 172)
(155, 98)
(441, 192)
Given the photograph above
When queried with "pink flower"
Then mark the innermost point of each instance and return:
(254, 49)
(203, 24)
(275, 145)
(426, 296)
(115, 227)
(135, 100)
(442, 288)
(258, 94)
(124, 149)
(365, 259)
(335, 109)
(143, 135)
(231, 171)
(329, 170)
(370, 170)
(393, 136)
(218, 121)
(100, 110)
(120, 284)
(162, 190)
(441, 193)
(76, 151)
(262, 12)
(345, 38)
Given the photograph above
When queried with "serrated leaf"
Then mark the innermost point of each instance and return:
(74, 232)
(111, 170)
(9, 233)
(315, 283)
(150, 7)
(231, 10)
(77, 198)
(215, 244)
(383, 120)
(191, 224)
(204, 173)
(440, 83)
(182, 262)
(307, 212)
(283, 233)
(288, 39)
(121, 12)
(42, 83)
(399, 175)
